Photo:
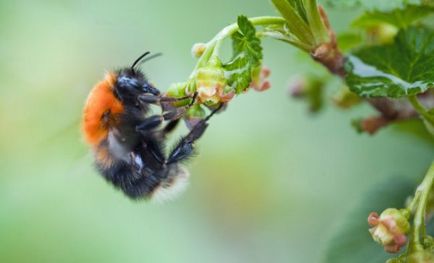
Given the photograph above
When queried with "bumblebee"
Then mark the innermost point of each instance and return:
(128, 144)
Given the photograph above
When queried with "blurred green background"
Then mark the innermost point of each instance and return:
(271, 183)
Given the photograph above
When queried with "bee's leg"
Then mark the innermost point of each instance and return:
(170, 127)
(174, 113)
(154, 121)
(184, 148)
(171, 114)
(163, 101)
(147, 87)
(152, 99)
(150, 123)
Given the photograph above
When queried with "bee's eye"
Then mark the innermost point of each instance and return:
(148, 88)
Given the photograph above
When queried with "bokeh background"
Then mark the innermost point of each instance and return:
(271, 182)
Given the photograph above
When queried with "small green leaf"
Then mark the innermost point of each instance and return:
(299, 6)
(400, 17)
(353, 243)
(247, 54)
(294, 13)
(403, 68)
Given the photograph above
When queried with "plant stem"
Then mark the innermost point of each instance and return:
(424, 189)
(256, 21)
(213, 46)
(420, 108)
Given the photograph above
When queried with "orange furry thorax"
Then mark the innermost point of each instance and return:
(100, 102)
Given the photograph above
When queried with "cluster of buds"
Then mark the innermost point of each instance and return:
(209, 82)
(390, 228)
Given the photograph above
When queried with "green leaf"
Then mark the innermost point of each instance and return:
(294, 13)
(247, 54)
(403, 68)
(299, 6)
(353, 243)
(400, 17)
(383, 5)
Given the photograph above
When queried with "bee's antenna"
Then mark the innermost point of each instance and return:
(142, 60)
(152, 57)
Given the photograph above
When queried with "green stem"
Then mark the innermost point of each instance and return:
(256, 21)
(213, 46)
(413, 204)
(424, 190)
(420, 108)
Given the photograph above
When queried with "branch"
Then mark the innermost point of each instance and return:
(390, 110)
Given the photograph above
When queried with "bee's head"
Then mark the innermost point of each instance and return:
(131, 82)
(174, 183)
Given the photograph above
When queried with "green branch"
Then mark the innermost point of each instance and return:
(213, 46)
(422, 194)
(420, 108)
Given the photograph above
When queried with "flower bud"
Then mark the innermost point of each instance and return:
(178, 90)
(211, 86)
(198, 49)
(226, 94)
(297, 88)
(389, 228)
(259, 79)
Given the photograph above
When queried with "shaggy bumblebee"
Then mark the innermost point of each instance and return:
(128, 143)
